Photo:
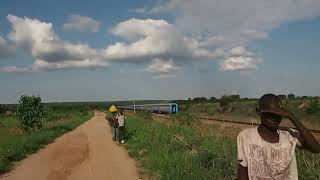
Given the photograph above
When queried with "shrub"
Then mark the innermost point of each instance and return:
(30, 112)
(291, 96)
(314, 108)
(225, 102)
(184, 118)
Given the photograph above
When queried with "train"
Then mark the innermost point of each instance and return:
(163, 108)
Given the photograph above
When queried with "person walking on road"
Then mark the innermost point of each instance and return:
(113, 121)
(121, 121)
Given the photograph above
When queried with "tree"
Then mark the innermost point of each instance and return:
(225, 102)
(2, 110)
(282, 96)
(235, 97)
(213, 99)
(30, 112)
(200, 99)
(291, 96)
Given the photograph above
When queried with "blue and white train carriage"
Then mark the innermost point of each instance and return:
(165, 108)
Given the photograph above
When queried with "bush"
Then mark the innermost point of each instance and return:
(30, 112)
(225, 102)
(314, 108)
(184, 118)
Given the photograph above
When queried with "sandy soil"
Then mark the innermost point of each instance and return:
(85, 153)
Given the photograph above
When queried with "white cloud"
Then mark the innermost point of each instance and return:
(239, 59)
(48, 49)
(159, 66)
(14, 69)
(148, 39)
(222, 31)
(223, 25)
(239, 51)
(231, 16)
(5, 49)
(239, 63)
(144, 40)
(81, 23)
(41, 65)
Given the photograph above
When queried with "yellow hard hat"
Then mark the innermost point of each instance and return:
(113, 108)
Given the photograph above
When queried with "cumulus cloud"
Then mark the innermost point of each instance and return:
(223, 25)
(143, 41)
(5, 49)
(48, 49)
(240, 59)
(159, 66)
(222, 31)
(148, 39)
(81, 23)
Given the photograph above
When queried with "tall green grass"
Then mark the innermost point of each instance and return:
(14, 147)
(177, 151)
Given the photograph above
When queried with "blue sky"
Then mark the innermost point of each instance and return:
(121, 50)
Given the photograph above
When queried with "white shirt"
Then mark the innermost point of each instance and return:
(274, 161)
(121, 119)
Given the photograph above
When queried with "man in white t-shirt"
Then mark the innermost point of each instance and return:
(266, 152)
(121, 121)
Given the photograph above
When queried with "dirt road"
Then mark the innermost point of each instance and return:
(85, 153)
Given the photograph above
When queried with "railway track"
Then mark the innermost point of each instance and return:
(237, 122)
(247, 123)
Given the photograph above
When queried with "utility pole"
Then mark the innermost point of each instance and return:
(134, 106)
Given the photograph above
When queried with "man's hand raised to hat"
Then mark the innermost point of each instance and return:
(306, 138)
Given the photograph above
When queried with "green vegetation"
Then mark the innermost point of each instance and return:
(175, 151)
(15, 143)
(179, 152)
(235, 108)
(314, 108)
(30, 112)
(184, 118)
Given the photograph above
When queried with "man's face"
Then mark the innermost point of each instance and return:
(271, 120)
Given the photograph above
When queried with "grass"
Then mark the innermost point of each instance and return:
(15, 146)
(179, 152)
(176, 151)
(8, 121)
(245, 112)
